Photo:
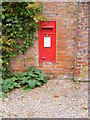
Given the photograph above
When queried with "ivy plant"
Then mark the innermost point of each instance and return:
(19, 23)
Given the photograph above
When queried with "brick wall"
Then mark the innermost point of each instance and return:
(71, 42)
(81, 67)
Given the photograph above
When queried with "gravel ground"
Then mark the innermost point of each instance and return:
(55, 99)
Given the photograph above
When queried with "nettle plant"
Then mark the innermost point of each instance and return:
(29, 80)
(19, 23)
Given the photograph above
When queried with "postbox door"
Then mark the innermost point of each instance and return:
(47, 48)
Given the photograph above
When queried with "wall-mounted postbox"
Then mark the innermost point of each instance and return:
(47, 41)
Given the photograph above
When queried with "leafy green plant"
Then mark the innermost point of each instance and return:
(33, 78)
(29, 80)
(2, 94)
(9, 84)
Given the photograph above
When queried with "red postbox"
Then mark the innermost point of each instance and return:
(47, 41)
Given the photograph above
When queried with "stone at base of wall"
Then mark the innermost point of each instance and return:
(68, 77)
(60, 77)
(86, 79)
(65, 77)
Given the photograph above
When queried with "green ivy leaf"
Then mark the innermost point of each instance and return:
(20, 28)
(36, 37)
(8, 30)
(3, 17)
(7, 14)
(24, 63)
(20, 52)
(11, 34)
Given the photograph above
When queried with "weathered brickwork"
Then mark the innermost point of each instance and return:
(71, 42)
(81, 67)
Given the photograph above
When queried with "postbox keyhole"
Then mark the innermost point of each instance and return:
(43, 58)
(47, 35)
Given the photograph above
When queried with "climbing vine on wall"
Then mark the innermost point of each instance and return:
(19, 23)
